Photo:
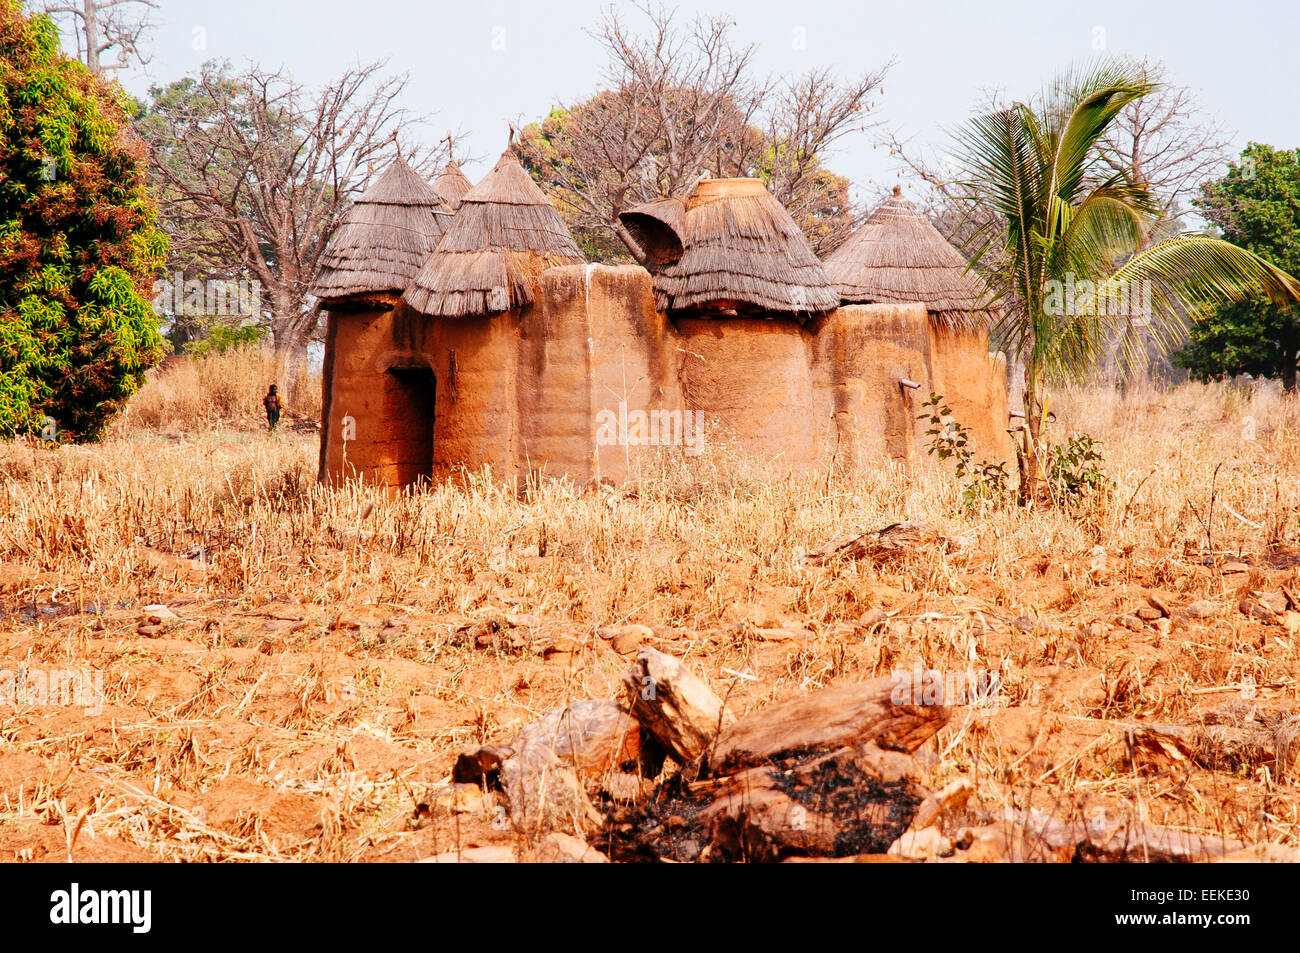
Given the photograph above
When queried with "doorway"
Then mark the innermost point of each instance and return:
(408, 423)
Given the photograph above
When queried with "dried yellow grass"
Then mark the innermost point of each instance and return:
(216, 392)
(234, 718)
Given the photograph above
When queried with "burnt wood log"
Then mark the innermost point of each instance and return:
(676, 706)
(839, 716)
(847, 802)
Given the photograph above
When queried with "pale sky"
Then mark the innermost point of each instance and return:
(476, 65)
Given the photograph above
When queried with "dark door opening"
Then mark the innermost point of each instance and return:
(408, 422)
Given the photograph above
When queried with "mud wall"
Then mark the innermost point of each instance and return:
(752, 381)
(593, 382)
(973, 383)
(410, 397)
(476, 361)
(636, 398)
(554, 398)
(596, 362)
(861, 354)
(356, 433)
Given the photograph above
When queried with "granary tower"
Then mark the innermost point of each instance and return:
(503, 350)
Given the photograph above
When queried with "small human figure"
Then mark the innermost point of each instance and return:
(273, 404)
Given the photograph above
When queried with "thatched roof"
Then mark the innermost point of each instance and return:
(452, 185)
(384, 237)
(658, 227)
(503, 236)
(898, 257)
(739, 250)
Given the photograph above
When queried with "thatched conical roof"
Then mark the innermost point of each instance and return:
(452, 185)
(740, 249)
(658, 227)
(503, 236)
(384, 237)
(898, 257)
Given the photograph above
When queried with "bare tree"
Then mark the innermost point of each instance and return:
(104, 25)
(803, 118)
(680, 102)
(1169, 141)
(950, 202)
(256, 171)
(676, 101)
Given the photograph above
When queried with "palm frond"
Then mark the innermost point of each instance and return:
(1103, 227)
(1195, 271)
(1185, 276)
(1094, 111)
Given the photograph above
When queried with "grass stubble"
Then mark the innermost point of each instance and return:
(317, 679)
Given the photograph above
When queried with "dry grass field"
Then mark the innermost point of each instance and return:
(326, 654)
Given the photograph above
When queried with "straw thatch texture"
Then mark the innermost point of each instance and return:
(503, 236)
(657, 227)
(452, 185)
(384, 237)
(741, 250)
(898, 257)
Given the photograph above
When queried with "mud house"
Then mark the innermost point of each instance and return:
(484, 339)
(896, 258)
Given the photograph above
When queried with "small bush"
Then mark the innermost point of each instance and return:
(949, 440)
(222, 338)
(1077, 471)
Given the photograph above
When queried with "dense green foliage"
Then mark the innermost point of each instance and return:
(220, 338)
(78, 243)
(1256, 206)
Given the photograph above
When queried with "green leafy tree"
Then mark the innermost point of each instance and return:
(1256, 206)
(78, 242)
(1062, 221)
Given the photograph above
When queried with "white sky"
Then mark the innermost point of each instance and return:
(1241, 56)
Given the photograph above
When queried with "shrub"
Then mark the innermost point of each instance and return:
(949, 440)
(78, 241)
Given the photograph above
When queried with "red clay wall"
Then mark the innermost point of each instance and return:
(554, 373)
(476, 360)
(386, 415)
(973, 384)
(358, 435)
(861, 353)
(594, 351)
(751, 379)
(557, 388)
(634, 377)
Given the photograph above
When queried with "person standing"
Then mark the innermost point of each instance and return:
(273, 404)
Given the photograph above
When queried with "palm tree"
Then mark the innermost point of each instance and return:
(1062, 223)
